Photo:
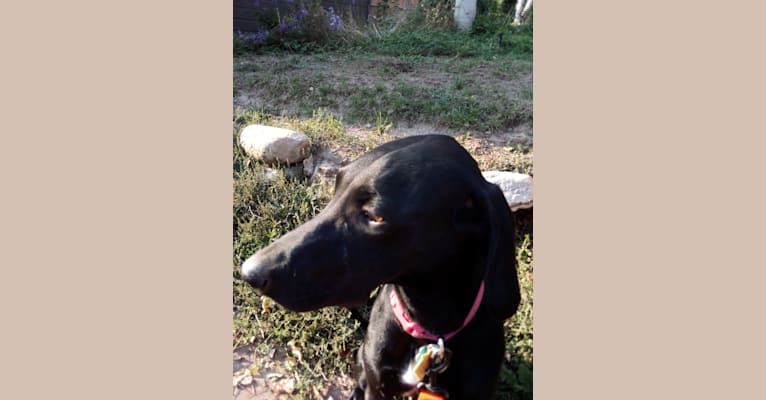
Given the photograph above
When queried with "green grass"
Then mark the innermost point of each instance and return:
(483, 41)
(265, 208)
(460, 104)
(446, 44)
(465, 100)
(444, 78)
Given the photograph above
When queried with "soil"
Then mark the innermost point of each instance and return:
(260, 376)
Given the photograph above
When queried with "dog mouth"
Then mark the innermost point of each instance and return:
(352, 304)
(314, 301)
(303, 303)
(304, 289)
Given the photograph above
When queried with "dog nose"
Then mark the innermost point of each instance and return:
(254, 274)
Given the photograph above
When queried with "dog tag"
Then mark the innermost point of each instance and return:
(418, 368)
(430, 359)
(440, 358)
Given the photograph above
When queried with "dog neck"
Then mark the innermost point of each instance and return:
(438, 307)
(411, 327)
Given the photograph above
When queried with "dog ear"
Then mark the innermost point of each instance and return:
(468, 218)
(502, 293)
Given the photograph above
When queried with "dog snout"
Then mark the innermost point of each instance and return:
(254, 272)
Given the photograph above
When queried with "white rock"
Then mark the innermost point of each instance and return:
(516, 187)
(274, 145)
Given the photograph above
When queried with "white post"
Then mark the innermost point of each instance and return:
(465, 13)
(522, 11)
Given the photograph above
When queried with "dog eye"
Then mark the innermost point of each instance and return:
(375, 219)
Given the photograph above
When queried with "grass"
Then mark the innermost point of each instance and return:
(466, 100)
(448, 79)
(446, 44)
(349, 96)
(460, 104)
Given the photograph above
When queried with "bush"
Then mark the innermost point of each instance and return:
(434, 14)
(304, 28)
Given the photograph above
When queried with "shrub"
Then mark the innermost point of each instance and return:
(433, 14)
(306, 27)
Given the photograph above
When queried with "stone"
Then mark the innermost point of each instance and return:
(323, 165)
(516, 187)
(290, 171)
(308, 165)
(273, 145)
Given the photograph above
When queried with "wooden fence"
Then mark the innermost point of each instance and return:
(246, 12)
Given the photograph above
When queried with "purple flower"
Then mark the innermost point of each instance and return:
(253, 39)
(334, 19)
(283, 27)
(303, 13)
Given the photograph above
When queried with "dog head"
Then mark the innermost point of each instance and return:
(403, 209)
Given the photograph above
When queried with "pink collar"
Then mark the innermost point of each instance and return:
(418, 332)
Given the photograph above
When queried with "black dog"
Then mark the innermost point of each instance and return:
(416, 215)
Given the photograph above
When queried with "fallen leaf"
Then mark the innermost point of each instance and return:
(243, 377)
(295, 350)
(266, 304)
(274, 376)
(286, 385)
(290, 362)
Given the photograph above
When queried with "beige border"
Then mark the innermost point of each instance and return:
(116, 210)
(116, 200)
(648, 200)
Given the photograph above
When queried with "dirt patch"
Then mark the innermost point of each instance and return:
(421, 129)
(519, 136)
(268, 377)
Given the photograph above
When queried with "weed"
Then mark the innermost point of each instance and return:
(382, 125)
(323, 127)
